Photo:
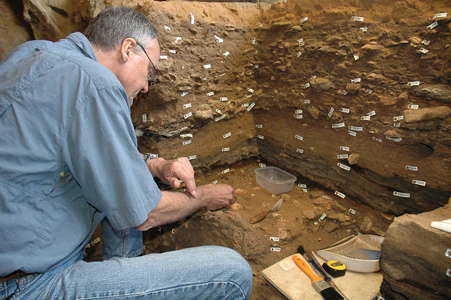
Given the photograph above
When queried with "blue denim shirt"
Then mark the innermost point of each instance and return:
(68, 155)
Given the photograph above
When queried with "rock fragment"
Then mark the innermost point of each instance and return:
(424, 114)
(353, 158)
(322, 83)
(440, 92)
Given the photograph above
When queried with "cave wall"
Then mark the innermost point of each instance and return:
(296, 83)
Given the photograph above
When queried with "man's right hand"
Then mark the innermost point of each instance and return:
(216, 196)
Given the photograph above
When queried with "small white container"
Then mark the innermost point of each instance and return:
(275, 180)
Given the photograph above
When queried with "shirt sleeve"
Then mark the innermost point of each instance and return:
(101, 152)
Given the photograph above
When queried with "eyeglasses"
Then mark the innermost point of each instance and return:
(153, 74)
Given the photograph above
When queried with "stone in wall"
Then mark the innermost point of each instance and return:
(413, 260)
(13, 31)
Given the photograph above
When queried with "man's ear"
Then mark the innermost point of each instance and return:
(126, 48)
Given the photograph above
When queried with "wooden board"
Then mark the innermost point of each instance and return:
(295, 285)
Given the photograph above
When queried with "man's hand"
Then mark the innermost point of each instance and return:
(216, 196)
(174, 171)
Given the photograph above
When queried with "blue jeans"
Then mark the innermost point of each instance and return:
(207, 272)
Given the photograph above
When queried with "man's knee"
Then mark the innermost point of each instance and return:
(234, 264)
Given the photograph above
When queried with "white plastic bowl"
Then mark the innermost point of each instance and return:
(275, 180)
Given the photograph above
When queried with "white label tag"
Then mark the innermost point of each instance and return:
(207, 66)
(262, 165)
(330, 113)
(274, 238)
(261, 137)
(214, 182)
(342, 156)
(219, 40)
(306, 85)
(356, 80)
(184, 94)
(217, 119)
(301, 42)
(227, 135)
(440, 15)
(209, 94)
(426, 42)
(423, 50)
(371, 113)
(365, 118)
(250, 90)
(398, 118)
(352, 133)
(178, 39)
(304, 19)
(258, 125)
(302, 185)
(356, 128)
(298, 111)
(402, 195)
(322, 217)
(345, 110)
(411, 168)
(307, 101)
(163, 57)
(172, 51)
(413, 106)
(377, 139)
(340, 194)
(250, 106)
(227, 53)
(226, 171)
(357, 19)
(413, 83)
(187, 105)
(344, 148)
(299, 150)
(144, 118)
(419, 182)
(394, 139)
(223, 99)
(299, 137)
(187, 115)
(275, 249)
(364, 29)
(432, 25)
(356, 57)
(298, 117)
(192, 19)
(245, 105)
(167, 28)
(186, 135)
(338, 125)
(187, 142)
(344, 167)
(352, 212)
(218, 111)
(225, 149)
(397, 124)
(191, 157)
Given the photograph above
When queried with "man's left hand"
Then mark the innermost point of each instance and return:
(173, 172)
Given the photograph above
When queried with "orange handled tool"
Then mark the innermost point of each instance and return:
(306, 268)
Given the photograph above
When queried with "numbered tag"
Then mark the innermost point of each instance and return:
(259, 126)
(299, 137)
(187, 115)
(227, 135)
(144, 118)
(207, 66)
(217, 119)
(413, 106)
(261, 137)
(352, 133)
(398, 118)
(188, 142)
(342, 156)
(187, 105)
(299, 150)
(432, 25)
(191, 157)
(344, 148)
(225, 149)
(344, 167)
(365, 118)
(330, 113)
(338, 125)
(345, 110)
(226, 171)
(275, 249)
(357, 19)
(274, 238)
(209, 94)
(356, 80)
(307, 101)
(186, 135)
(413, 83)
(219, 40)
(402, 195)
(250, 106)
(340, 194)
(356, 128)
(223, 99)
(419, 182)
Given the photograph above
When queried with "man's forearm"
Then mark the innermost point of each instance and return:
(172, 207)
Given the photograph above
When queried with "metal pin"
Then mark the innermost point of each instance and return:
(330, 113)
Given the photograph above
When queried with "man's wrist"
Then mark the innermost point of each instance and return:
(155, 166)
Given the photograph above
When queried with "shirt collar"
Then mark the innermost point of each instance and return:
(82, 43)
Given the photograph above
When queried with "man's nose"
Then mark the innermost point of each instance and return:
(146, 87)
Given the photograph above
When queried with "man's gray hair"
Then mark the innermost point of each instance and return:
(112, 25)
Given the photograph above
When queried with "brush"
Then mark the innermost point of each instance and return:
(320, 285)
(262, 215)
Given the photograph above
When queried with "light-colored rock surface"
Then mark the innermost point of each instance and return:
(13, 31)
(425, 114)
(440, 92)
(413, 257)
